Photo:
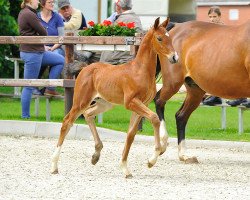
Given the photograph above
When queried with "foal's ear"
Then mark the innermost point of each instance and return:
(157, 21)
(165, 23)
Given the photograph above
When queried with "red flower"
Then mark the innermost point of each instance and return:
(91, 23)
(131, 25)
(121, 24)
(107, 22)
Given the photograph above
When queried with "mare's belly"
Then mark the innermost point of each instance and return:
(224, 87)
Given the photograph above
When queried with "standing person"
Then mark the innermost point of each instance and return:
(214, 15)
(34, 55)
(125, 14)
(53, 23)
(73, 18)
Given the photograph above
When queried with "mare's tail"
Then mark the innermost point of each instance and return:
(170, 26)
(158, 65)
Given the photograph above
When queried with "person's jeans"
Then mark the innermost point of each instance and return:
(60, 51)
(32, 65)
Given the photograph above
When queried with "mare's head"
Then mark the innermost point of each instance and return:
(162, 43)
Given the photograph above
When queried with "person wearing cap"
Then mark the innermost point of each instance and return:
(73, 18)
(124, 13)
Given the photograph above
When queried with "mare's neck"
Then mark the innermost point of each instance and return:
(146, 58)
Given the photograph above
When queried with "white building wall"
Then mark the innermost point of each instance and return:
(148, 10)
(89, 8)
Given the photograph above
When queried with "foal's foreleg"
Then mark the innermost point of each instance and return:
(98, 107)
(137, 106)
(67, 124)
(134, 122)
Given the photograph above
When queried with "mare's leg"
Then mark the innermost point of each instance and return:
(134, 121)
(192, 101)
(99, 106)
(160, 100)
(137, 106)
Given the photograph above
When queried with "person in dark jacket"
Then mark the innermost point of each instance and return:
(34, 55)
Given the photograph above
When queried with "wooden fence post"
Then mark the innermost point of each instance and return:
(69, 92)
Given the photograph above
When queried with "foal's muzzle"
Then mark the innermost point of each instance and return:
(173, 58)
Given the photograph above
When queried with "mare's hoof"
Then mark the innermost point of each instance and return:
(95, 159)
(191, 160)
(129, 176)
(54, 172)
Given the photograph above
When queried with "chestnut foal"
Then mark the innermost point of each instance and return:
(131, 84)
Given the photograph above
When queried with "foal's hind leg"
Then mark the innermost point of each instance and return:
(134, 122)
(83, 96)
(192, 101)
(67, 124)
(99, 106)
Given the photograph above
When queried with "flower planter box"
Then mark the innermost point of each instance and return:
(106, 43)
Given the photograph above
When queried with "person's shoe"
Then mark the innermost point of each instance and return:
(237, 102)
(36, 91)
(51, 93)
(212, 100)
(43, 90)
(247, 104)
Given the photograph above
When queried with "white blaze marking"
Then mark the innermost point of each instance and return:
(167, 34)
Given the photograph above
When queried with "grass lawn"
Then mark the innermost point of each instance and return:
(204, 123)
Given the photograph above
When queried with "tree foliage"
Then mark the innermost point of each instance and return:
(8, 20)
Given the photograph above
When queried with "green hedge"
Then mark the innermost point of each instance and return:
(8, 21)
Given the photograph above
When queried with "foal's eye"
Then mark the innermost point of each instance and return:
(159, 38)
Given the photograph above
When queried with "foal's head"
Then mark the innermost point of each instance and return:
(162, 43)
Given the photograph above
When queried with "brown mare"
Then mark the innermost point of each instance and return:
(131, 84)
(212, 58)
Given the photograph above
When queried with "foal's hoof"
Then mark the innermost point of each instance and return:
(150, 165)
(164, 148)
(192, 160)
(162, 152)
(95, 158)
(129, 176)
(54, 171)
